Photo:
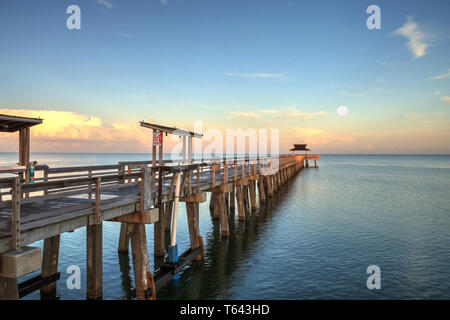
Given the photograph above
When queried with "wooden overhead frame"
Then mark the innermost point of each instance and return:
(185, 134)
(13, 124)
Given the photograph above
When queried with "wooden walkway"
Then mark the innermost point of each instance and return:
(134, 194)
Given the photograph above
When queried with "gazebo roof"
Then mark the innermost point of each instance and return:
(14, 123)
(299, 147)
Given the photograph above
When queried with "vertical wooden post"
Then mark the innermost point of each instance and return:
(232, 198)
(94, 261)
(168, 218)
(192, 209)
(240, 202)
(217, 208)
(224, 228)
(158, 227)
(140, 261)
(124, 238)
(252, 189)
(245, 198)
(15, 214)
(269, 186)
(159, 234)
(50, 261)
(262, 193)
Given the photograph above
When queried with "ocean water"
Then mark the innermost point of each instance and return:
(313, 240)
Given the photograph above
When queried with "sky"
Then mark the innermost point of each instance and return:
(253, 64)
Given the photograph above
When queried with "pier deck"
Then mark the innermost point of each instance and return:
(135, 193)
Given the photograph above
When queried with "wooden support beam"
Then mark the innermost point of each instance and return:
(145, 217)
(216, 211)
(50, 261)
(224, 228)
(222, 188)
(159, 233)
(240, 202)
(9, 289)
(261, 191)
(168, 215)
(192, 210)
(245, 198)
(195, 197)
(140, 261)
(124, 238)
(232, 198)
(252, 189)
(98, 202)
(94, 261)
(241, 182)
(269, 186)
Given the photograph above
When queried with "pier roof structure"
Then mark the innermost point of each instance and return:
(14, 123)
(299, 147)
(172, 130)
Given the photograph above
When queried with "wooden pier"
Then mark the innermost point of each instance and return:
(133, 194)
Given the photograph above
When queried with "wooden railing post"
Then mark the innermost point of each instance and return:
(15, 214)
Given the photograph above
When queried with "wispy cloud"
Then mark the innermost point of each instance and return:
(106, 3)
(164, 2)
(426, 119)
(411, 31)
(446, 99)
(254, 75)
(351, 94)
(445, 75)
(125, 35)
(242, 115)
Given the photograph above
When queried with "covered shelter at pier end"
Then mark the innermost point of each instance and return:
(13, 124)
(302, 147)
(299, 147)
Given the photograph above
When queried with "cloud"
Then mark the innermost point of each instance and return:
(446, 99)
(292, 113)
(411, 31)
(164, 2)
(445, 75)
(242, 115)
(66, 131)
(254, 75)
(426, 119)
(125, 35)
(106, 3)
(351, 94)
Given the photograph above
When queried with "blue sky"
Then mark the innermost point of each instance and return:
(225, 62)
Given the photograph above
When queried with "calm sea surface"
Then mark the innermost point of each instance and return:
(313, 240)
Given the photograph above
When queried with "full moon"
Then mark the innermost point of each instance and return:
(342, 111)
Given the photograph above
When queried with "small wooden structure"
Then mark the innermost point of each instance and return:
(302, 147)
(13, 124)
